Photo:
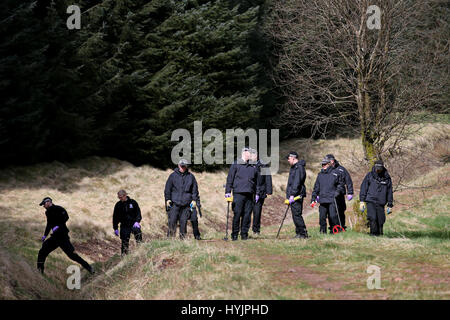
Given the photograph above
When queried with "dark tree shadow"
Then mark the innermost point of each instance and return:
(64, 177)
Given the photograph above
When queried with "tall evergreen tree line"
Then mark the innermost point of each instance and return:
(134, 72)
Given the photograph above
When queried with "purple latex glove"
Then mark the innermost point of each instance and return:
(43, 238)
(256, 198)
(291, 200)
(116, 232)
(349, 197)
(227, 195)
(55, 228)
(136, 225)
(317, 199)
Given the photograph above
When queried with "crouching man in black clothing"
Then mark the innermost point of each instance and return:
(242, 180)
(376, 191)
(181, 193)
(296, 187)
(56, 221)
(128, 214)
(328, 186)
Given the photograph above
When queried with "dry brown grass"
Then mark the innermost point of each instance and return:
(88, 190)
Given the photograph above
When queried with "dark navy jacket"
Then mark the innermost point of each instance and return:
(377, 188)
(56, 216)
(126, 213)
(181, 188)
(346, 176)
(296, 181)
(264, 181)
(242, 178)
(329, 185)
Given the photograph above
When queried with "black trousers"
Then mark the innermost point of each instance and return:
(327, 210)
(257, 209)
(340, 201)
(181, 214)
(125, 234)
(242, 208)
(194, 221)
(63, 242)
(297, 211)
(376, 218)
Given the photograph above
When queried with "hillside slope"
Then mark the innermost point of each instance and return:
(413, 255)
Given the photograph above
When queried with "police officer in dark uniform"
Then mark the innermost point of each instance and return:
(56, 221)
(376, 191)
(128, 214)
(242, 180)
(264, 181)
(348, 183)
(181, 193)
(296, 187)
(328, 186)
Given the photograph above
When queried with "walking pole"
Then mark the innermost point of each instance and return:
(336, 228)
(283, 220)
(285, 214)
(229, 200)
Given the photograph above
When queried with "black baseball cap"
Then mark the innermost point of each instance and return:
(325, 160)
(330, 156)
(45, 200)
(379, 164)
(292, 154)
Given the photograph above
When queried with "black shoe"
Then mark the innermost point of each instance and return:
(233, 238)
(91, 270)
(198, 238)
(301, 236)
(41, 270)
(244, 237)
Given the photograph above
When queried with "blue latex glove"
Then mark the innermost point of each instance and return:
(43, 238)
(291, 200)
(227, 195)
(349, 197)
(389, 210)
(116, 232)
(136, 225)
(256, 198)
(55, 228)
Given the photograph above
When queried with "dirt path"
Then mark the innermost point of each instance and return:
(274, 209)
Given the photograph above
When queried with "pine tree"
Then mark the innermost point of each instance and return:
(166, 64)
(41, 114)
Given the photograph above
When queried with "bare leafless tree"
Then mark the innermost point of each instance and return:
(335, 68)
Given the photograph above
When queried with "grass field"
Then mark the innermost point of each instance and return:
(413, 256)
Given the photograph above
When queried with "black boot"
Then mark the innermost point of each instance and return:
(91, 270)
